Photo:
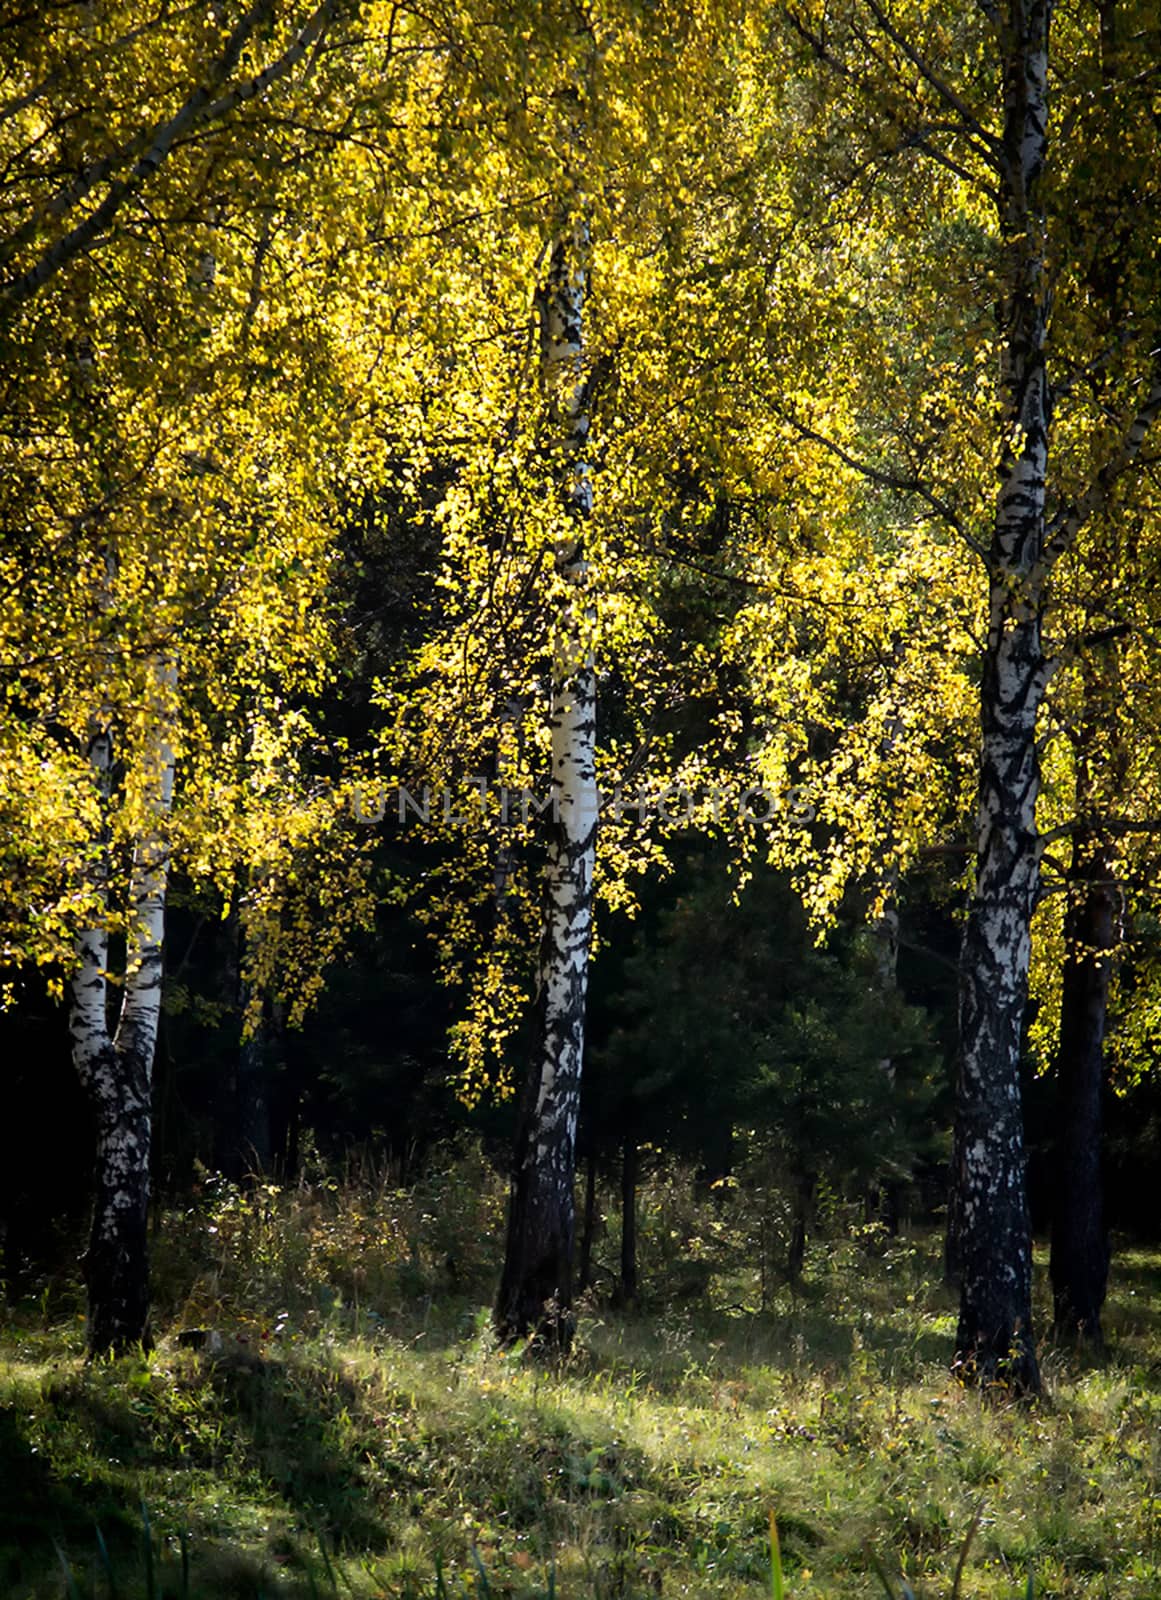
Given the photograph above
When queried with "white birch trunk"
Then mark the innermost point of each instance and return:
(991, 1243)
(535, 1290)
(116, 1069)
(89, 1021)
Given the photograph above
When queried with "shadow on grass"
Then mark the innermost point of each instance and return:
(78, 1452)
(40, 1508)
(290, 1424)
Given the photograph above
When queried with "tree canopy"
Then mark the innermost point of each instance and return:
(427, 416)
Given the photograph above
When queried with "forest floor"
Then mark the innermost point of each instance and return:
(360, 1434)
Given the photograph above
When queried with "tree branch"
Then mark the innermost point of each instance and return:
(1117, 827)
(97, 171)
(199, 108)
(890, 480)
(971, 123)
(916, 137)
(1068, 522)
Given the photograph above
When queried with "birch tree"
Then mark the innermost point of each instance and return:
(993, 1249)
(995, 1336)
(536, 1285)
(964, 102)
(525, 616)
(115, 1064)
(164, 602)
(486, 667)
(1103, 730)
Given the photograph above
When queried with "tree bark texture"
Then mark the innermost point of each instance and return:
(995, 1340)
(803, 1207)
(116, 1069)
(536, 1285)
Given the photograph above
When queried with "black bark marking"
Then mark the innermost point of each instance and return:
(117, 1261)
(535, 1292)
(989, 1234)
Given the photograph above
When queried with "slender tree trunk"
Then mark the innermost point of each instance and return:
(117, 1261)
(630, 1162)
(885, 930)
(588, 1223)
(536, 1285)
(253, 1104)
(285, 1087)
(253, 1145)
(243, 1137)
(117, 1070)
(803, 1206)
(1080, 1253)
(992, 1242)
(288, 1146)
(1080, 1249)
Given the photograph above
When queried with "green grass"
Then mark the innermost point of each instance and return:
(384, 1447)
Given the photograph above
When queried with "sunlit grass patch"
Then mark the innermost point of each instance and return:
(389, 1449)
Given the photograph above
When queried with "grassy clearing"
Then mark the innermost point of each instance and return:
(358, 1434)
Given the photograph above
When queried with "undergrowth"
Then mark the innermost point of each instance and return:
(347, 1425)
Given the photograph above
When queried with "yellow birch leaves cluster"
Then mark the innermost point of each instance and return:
(317, 303)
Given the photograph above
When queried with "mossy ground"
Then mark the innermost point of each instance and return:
(360, 1434)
